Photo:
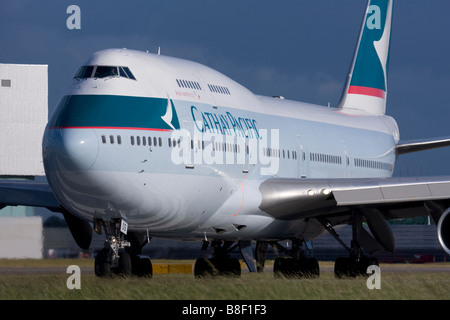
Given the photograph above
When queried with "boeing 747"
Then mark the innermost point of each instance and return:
(145, 145)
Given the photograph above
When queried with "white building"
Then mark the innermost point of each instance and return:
(23, 116)
(21, 238)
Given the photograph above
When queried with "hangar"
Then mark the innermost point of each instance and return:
(23, 116)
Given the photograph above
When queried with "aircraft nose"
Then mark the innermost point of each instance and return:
(70, 149)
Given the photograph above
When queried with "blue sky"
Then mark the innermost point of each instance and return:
(300, 49)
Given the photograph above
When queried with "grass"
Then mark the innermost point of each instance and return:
(395, 285)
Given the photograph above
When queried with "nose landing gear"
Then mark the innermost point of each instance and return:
(121, 254)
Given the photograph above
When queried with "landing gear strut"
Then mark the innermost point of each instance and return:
(356, 263)
(120, 255)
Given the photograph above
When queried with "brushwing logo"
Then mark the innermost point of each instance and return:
(370, 71)
(168, 116)
(382, 46)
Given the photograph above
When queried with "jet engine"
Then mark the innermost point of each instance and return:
(443, 229)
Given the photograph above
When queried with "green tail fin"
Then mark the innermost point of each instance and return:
(366, 88)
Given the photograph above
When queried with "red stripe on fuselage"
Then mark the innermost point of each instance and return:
(119, 128)
(367, 91)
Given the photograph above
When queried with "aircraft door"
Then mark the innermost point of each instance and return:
(244, 155)
(345, 158)
(188, 144)
(301, 158)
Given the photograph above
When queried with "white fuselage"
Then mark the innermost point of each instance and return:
(181, 150)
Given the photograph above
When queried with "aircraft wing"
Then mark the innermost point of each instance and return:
(394, 197)
(353, 201)
(37, 193)
(27, 193)
(421, 144)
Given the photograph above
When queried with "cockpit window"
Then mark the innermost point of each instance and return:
(128, 72)
(104, 72)
(84, 72)
(122, 73)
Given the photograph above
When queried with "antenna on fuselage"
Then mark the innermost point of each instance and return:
(159, 51)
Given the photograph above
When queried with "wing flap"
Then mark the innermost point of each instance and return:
(358, 196)
(303, 198)
(392, 190)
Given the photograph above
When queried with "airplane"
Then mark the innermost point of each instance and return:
(145, 145)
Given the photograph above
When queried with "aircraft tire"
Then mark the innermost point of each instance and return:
(283, 267)
(141, 266)
(203, 267)
(293, 268)
(124, 264)
(311, 269)
(342, 267)
(102, 265)
(347, 267)
(230, 268)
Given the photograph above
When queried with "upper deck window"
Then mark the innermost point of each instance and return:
(188, 84)
(104, 72)
(219, 89)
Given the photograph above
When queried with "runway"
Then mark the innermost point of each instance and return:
(183, 267)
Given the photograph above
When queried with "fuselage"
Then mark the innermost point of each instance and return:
(179, 149)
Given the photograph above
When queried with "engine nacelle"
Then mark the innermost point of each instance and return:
(443, 230)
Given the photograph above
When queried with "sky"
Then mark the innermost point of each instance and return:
(300, 49)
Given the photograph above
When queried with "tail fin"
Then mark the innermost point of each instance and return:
(366, 88)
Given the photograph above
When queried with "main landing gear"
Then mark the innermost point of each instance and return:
(296, 265)
(121, 254)
(355, 264)
(221, 263)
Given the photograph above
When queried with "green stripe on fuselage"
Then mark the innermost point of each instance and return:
(113, 111)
